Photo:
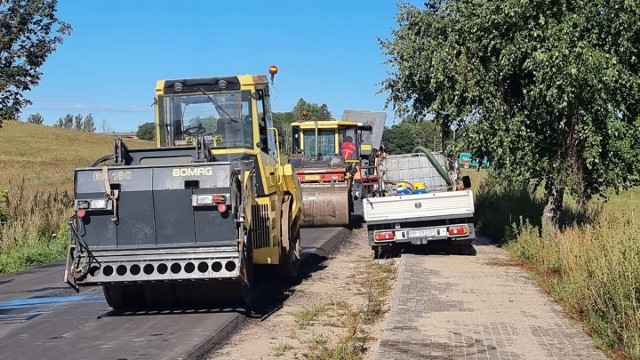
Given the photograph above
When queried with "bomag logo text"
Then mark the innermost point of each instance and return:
(193, 171)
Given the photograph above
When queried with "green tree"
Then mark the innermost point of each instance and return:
(104, 127)
(88, 123)
(68, 121)
(65, 122)
(552, 88)
(29, 33)
(77, 122)
(208, 122)
(147, 131)
(282, 121)
(320, 112)
(35, 119)
(404, 137)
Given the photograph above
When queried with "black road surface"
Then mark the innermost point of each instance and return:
(42, 318)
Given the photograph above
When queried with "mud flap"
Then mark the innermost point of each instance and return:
(68, 279)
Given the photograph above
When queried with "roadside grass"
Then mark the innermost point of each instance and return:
(281, 349)
(309, 316)
(591, 266)
(36, 188)
(344, 326)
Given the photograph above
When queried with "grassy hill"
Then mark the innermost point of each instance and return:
(36, 185)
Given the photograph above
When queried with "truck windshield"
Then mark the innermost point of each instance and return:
(224, 118)
(326, 143)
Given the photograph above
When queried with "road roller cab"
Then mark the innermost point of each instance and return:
(326, 156)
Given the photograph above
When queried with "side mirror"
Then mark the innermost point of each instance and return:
(466, 182)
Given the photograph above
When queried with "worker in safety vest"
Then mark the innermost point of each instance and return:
(348, 148)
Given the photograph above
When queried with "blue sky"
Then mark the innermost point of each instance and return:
(326, 52)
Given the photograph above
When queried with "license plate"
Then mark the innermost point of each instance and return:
(422, 233)
(312, 177)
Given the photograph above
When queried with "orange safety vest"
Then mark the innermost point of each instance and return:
(348, 148)
(358, 174)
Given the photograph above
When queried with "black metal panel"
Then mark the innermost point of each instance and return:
(174, 217)
(134, 224)
(206, 84)
(209, 175)
(97, 228)
(211, 226)
(135, 218)
(155, 206)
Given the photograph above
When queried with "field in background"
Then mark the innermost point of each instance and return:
(36, 188)
(591, 266)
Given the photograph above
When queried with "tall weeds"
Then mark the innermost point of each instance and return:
(36, 189)
(591, 266)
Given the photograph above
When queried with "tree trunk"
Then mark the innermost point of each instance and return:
(555, 199)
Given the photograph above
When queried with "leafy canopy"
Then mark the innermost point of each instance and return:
(552, 88)
(78, 122)
(29, 33)
(147, 131)
(36, 118)
(320, 112)
(404, 137)
(282, 120)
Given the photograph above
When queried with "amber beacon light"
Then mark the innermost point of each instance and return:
(273, 70)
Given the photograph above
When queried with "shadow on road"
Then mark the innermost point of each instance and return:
(432, 248)
(270, 294)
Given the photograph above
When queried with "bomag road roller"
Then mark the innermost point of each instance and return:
(326, 155)
(188, 222)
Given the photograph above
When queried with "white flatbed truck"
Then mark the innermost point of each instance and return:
(444, 213)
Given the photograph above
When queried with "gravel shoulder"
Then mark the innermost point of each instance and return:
(336, 312)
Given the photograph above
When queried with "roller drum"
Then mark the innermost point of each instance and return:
(325, 204)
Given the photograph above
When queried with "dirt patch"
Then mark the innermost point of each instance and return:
(337, 313)
(495, 261)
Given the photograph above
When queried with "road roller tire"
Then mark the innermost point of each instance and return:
(123, 296)
(290, 268)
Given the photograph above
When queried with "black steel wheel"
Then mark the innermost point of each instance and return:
(123, 296)
(246, 288)
(290, 269)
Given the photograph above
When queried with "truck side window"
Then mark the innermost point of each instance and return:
(271, 136)
(262, 126)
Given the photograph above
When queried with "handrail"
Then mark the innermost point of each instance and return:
(279, 176)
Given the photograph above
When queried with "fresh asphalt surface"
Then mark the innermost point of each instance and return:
(42, 318)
